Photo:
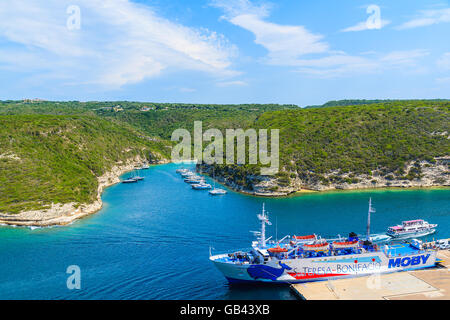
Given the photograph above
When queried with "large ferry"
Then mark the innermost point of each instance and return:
(412, 229)
(296, 259)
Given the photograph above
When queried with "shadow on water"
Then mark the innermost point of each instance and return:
(259, 291)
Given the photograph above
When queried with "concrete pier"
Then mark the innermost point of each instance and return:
(426, 284)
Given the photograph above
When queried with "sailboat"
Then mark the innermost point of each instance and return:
(137, 177)
(216, 192)
(129, 180)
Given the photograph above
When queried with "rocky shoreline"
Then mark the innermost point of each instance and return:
(63, 214)
(436, 175)
(431, 175)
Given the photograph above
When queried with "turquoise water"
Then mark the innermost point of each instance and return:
(151, 240)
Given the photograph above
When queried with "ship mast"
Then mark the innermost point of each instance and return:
(264, 219)
(368, 218)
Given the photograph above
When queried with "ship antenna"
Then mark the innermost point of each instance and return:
(368, 218)
(264, 219)
(276, 228)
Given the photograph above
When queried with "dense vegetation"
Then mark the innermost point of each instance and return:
(163, 120)
(155, 119)
(53, 151)
(355, 139)
(356, 102)
(45, 159)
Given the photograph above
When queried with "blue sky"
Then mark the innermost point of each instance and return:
(218, 51)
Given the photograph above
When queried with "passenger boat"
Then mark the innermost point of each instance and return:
(288, 261)
(411, 229)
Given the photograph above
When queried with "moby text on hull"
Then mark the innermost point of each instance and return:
(312, 258)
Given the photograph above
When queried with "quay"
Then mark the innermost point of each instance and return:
(424, 284)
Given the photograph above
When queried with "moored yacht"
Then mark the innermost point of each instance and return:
(217, 192)
(194, 179)
(201, 186)
(129, 180)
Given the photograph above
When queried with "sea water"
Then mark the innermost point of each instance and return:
(152, 239)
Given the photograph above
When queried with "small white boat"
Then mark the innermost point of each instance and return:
(187, 174)
(201, 186)
(194, 180)
(129, 180)
(217, 192)
(181, 171)
(145, 166)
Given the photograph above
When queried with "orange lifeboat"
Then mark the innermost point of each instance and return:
(345, 244)
(277, 249)
(310, 237)
(316, 247)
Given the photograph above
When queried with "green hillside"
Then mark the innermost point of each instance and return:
(45, 159)
(356, 102)
(53, 151)
(355, 139)
(160, 119)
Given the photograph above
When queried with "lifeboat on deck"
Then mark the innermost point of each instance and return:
(345, 244)
(316, 247)
(302, 238)
(277, 249)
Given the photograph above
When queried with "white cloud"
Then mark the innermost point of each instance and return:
(283, 42)
(362, 26)
(232, 83)
(444, 61)
(346, 65)
(293, 46)
(119, 42)
(444, 80)
(187, 90)
(427, 18)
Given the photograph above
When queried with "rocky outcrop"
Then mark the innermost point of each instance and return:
(415, 175)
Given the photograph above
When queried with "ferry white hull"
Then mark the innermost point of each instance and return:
(322, 268)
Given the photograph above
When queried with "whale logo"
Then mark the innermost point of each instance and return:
(265, 272)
